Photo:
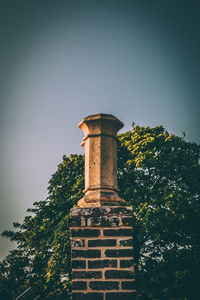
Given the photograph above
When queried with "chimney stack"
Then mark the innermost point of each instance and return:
(102, 226)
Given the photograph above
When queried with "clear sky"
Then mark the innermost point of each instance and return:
(64, 60)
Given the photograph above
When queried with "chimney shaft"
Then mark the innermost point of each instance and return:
(100, 160)
(101, 228)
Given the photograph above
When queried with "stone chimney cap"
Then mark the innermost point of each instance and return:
(100, 145)
(103, 117)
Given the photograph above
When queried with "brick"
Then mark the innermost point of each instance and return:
(79, 285)
(74, 221)
(85, 232)
(121, 210)
(78, 264)
(128, 285)
(106, 263)
(120, 296)
(118, 274)
(126, 263)
(87, 296)
(101, 243)
(119, 253)
(86, 274)
(126, 243)
(103, 221)
(104, 285)
(77, 243)
(86, 253)
(118, 232)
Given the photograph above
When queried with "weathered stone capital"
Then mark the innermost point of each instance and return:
(105, 216)
(100, 160)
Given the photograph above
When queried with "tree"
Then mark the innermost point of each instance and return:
(165, 193)
(159, 176)
(43, 237)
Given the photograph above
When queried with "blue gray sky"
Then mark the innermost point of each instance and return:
(64, 60)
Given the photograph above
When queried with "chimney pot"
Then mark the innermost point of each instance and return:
(100, 145)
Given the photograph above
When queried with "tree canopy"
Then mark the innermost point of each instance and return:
(159, 176)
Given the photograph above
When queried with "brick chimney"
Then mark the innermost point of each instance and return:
(102, 226)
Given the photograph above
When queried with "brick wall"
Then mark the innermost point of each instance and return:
(102, 253)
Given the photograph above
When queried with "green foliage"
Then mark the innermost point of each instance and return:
(164, 190)
(159, 176)
(43, 237)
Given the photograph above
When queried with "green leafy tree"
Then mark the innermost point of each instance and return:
(161, 179)
(159, 176)
(43, 237)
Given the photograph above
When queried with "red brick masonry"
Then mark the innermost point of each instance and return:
(102, 253)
